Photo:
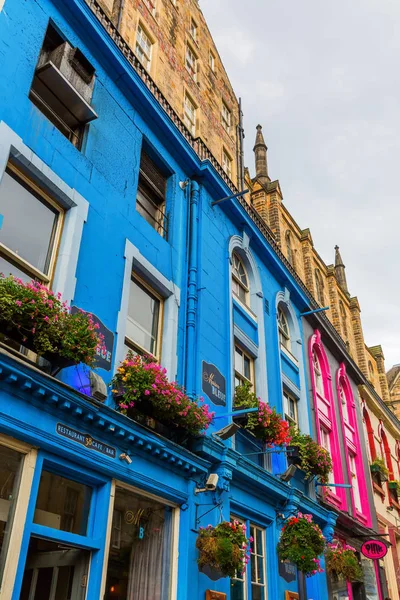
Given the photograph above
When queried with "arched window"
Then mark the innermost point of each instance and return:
(284, 330)
(289, 249)
(327, 427)
(353, 450)
(319, 284)
(319, 385)
(370, 435)
(343, 319)
(240, 280)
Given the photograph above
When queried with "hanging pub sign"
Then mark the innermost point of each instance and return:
(374, 549)
(287, 570)
(104, 355)
(214, 384)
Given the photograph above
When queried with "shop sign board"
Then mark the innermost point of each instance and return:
(85, 439)
(374, 549)
(287, 571)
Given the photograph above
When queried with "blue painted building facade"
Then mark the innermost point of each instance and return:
(57, 437)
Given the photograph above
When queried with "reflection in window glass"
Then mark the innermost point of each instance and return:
(143, 318)
(243, 367)
(62, 503)
(10, 464)
(32, 237)
(54, 571)
(139, 566)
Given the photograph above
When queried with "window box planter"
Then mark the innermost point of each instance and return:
(393, 485)
(144, 414)
(293, 455)
(243, 419)
(310, 457)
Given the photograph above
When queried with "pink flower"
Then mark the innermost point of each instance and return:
(18, 302)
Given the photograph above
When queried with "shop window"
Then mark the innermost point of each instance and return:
(151, 194)
(62, 87)
(143, 47)
(283, 329)
(28, 246)
(10, 466)
(240, 280)
(62, 504)
(290, 408)
(244, 367)
(141, 567)
(55, 571)
(144, 321)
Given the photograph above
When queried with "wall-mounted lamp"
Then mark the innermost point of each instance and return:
(211, 484)
(288, 474)
(125, 456)
(227, 432)
(183, 184)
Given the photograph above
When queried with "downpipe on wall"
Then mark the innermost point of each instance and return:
(192, 296)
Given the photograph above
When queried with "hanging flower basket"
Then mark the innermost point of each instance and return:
(378, 468)
(343, 562)
(302, 543)
(141, 390)
(33, 316)
(265, 424)
(223, 549)
(310, 457)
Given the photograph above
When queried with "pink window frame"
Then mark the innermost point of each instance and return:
(338, 496)
(353, 446)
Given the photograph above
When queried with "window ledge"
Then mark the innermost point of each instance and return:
(377, 488)
(289, 355)
(362, 518)
(334, 499)
(245, 309)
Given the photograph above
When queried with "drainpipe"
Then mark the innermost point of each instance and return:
(191, 304)
(120, 12)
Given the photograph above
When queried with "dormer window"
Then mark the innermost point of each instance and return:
(240, 281)
(62, 86)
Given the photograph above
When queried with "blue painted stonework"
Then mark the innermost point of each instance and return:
(105, 174)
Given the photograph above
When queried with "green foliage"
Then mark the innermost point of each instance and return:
(223, 548)
(34, 316)
(302, 543)
(315, 460)
(378, 464)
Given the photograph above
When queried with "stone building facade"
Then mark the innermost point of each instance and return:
(172, 41)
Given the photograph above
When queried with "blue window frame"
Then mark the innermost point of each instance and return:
(65, 532)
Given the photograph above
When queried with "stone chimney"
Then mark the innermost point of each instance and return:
(260, 151)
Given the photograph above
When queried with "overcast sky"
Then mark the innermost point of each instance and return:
(323, 78)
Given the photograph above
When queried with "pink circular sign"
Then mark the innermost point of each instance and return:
(374, 549)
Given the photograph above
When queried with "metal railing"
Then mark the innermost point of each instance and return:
(204, 153)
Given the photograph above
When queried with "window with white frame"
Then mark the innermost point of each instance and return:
(191, 61)
(226, 117)
(326, 443)
(343, 401)
(283, 329)
(240, 280)
(193, 29)
(151, 5)
(290, 407)
(211, 61)
(354, 481)
(141, 567)
(143, 48)
(227, 163)
(255, 570)
(244, 367)
(319, 384)
(189, 114)
(144, 320)
(28, 245)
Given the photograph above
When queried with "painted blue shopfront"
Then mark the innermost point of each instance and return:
(77, 438)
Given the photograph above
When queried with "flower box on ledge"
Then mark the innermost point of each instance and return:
(33, 317)
(142, 391)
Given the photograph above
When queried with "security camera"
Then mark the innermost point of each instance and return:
(211, 484)
(124, 456)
